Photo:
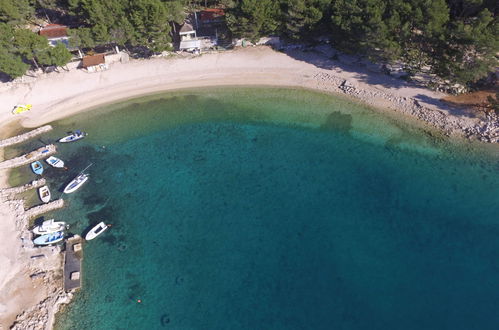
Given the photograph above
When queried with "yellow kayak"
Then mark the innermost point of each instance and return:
(20, 108)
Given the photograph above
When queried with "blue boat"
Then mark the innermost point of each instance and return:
(37, 167)
(49, 238)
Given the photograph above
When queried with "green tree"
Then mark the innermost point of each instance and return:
(12, 64)
(300, 16)
(469, 49)
(253, 18)
(29, 44)
(136, 23)
(58, 55)
(15, 12)
(81, 38)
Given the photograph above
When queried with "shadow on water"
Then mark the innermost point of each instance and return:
(337, 121)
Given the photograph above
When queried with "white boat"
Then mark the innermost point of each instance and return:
(44, 194)
(76, 183)
(48, 227)
(96, 231)
(54, 162)
(75, 136)
(49, 238)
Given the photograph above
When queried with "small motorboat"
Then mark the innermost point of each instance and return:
(44, 194)
(54, 162)
(96, 231)
(49, 226)
(75, 136)
(20, 108)
(49, 238)
(37, 167)
(76, 183)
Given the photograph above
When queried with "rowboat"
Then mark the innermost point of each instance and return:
(96, 231)
(37, 167)
(75, 136)
(44, 194)
(48, 227)
(20, 108)
(76, 183)
(54, 162)
(49, 238)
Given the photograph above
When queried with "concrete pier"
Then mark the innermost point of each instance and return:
(29, 157)
(25, 136)
(17, 190)
(40, 209)
(73, 257)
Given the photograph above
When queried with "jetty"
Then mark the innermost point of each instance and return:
(25, 136)
(29, 157)
(73, 256)
(40, 209)
(20, 189)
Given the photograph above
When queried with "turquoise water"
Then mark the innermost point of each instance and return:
(278, 209)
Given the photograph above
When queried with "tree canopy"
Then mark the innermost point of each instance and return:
(457, 39)
(136, 23)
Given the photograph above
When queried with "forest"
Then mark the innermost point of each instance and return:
(457, 39)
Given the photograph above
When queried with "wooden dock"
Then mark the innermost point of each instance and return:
(29, 157)
(73, 257)
(25, 136)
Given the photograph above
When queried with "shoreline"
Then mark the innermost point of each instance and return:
(58, 95)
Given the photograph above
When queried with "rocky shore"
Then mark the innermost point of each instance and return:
(484, 129)
(41, 316)
(41, 269)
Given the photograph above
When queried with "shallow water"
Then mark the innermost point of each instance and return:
(278, 209)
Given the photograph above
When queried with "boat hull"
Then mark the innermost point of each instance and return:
(96, 231)
(54, 162)
(44, 194)
(76, 183)
(49, 227)
(37, 167)
(49, 238)
(77, 135)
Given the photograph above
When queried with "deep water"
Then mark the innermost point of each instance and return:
(278, 209)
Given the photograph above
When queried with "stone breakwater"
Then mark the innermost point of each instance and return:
(9, 192)
(25, 136)
(29, 157)
(486, 130)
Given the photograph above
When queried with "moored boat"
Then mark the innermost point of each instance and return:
(37, 167)
(49, 238)
(48, 227)
(44, 194)
(54, 162)
(96, 231)
(75, 136)
(76, 183)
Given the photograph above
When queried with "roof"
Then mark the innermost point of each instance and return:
(93, 60)
(211, 14)
(186, 28)
(54, 31)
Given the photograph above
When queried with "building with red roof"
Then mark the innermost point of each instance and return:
(211, 16)
(55, 33)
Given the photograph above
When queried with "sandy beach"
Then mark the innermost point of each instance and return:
(61, 94)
